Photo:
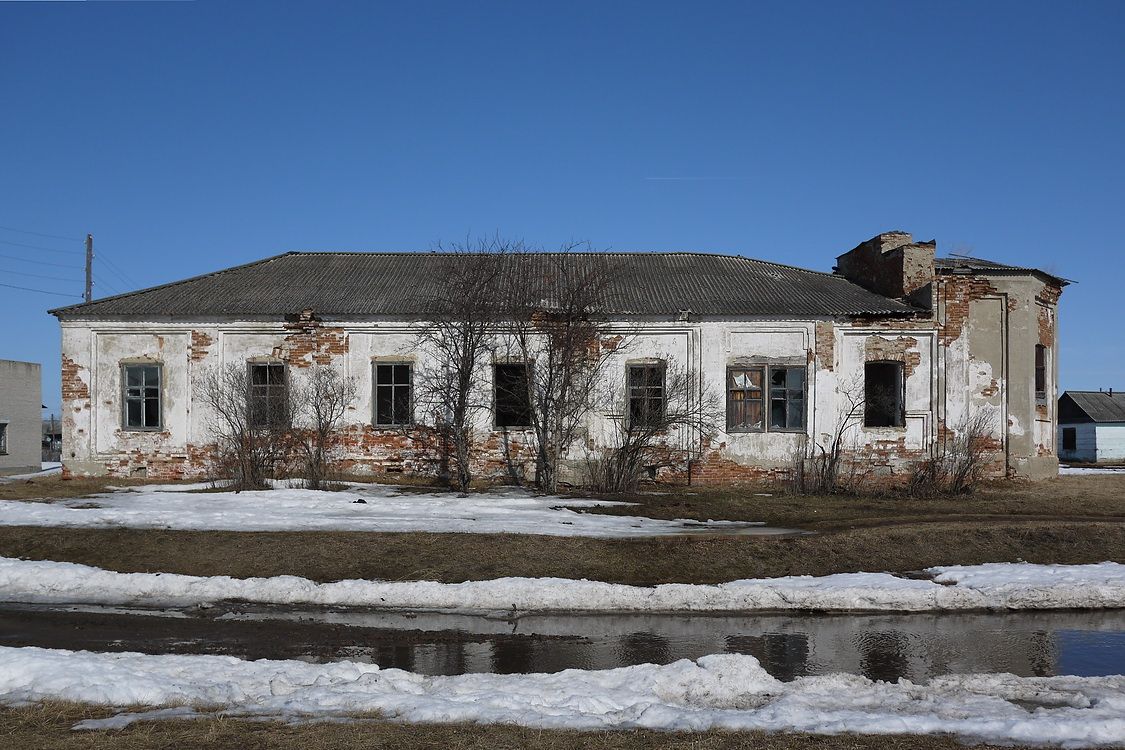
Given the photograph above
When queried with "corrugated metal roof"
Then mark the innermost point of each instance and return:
(965, 263)
(342, 285)
(1099, 406)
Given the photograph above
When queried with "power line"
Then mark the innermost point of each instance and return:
(118, 272)
(110, 287)
(41, 234)
(40, 247)
(37, 262)
(40, 291)
(41, 276)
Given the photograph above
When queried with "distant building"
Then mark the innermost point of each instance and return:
(1092, 426)
(20, 417)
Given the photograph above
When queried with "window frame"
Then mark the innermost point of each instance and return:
(765, 397)
(646, 389)
(251, 386)
(1040, 372)
(496, 397)
(126, 398)
(900, 394)
(393, 385)
(768, 390)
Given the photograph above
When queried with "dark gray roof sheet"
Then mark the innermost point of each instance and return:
(988, 266)
(342, 285)
(1100, 406)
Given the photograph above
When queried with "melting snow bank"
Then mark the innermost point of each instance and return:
(991, 586)
(724, 691)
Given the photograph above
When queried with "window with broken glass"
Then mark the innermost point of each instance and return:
(787, 398)
(393, 405)
(511, 397)
(269, 394)
(744, 399)
(645, 384)
(141, 396)
(765, 397)
(883, 395)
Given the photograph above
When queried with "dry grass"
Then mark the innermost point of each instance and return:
(332, 556)
(48, 727)
(1073, 519)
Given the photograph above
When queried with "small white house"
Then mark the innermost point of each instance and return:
(1092, 426)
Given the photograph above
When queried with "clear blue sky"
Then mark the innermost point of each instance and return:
(190, 136)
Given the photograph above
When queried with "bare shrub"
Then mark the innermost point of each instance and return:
(646, 438)
(820, 468)
(252, 436)
(319, 405)
(961, 464)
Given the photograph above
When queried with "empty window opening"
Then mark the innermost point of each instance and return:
(744, 398)
(1040, 372)
(3, 438)
(268, 396)
(645, 384)
(883, 395)
(787, 398)
(1070, 438)
(142, 408)
(512, 399)
(392, 394)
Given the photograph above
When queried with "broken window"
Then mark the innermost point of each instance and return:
(392, 394)
(512, 398)
(787, 398)
(645, 385)
(141, 397)
(883, 395)
(269, 395)
(1070, 438)
(1040, 372)
(744, 398)
(3, 438)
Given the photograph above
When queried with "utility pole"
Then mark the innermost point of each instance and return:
(89, 267)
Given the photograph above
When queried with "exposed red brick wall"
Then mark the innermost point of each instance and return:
(900, 349)
(200, 341)
(73, 387)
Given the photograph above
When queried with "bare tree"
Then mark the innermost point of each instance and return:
(320, 403)
(817, 466)
(556, 325)
(461, 316)
(252, 432)
(686, 411)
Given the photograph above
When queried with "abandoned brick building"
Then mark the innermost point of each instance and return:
(785, 347)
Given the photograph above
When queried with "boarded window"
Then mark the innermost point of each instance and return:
(1040, 372)
(645, 384)
(1070, 439)
(787, 398)
(392, 394)
(883, 395)
(512, 399)
(744, 398)
(141, 397)
(269, 395)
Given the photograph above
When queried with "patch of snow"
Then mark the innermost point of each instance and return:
(46, 469)
(995, 586)
(383, 508)
(730, 692)
(1092, 470)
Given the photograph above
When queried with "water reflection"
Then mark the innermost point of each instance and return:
(880, 647)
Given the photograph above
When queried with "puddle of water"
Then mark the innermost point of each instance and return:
(882, 647)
